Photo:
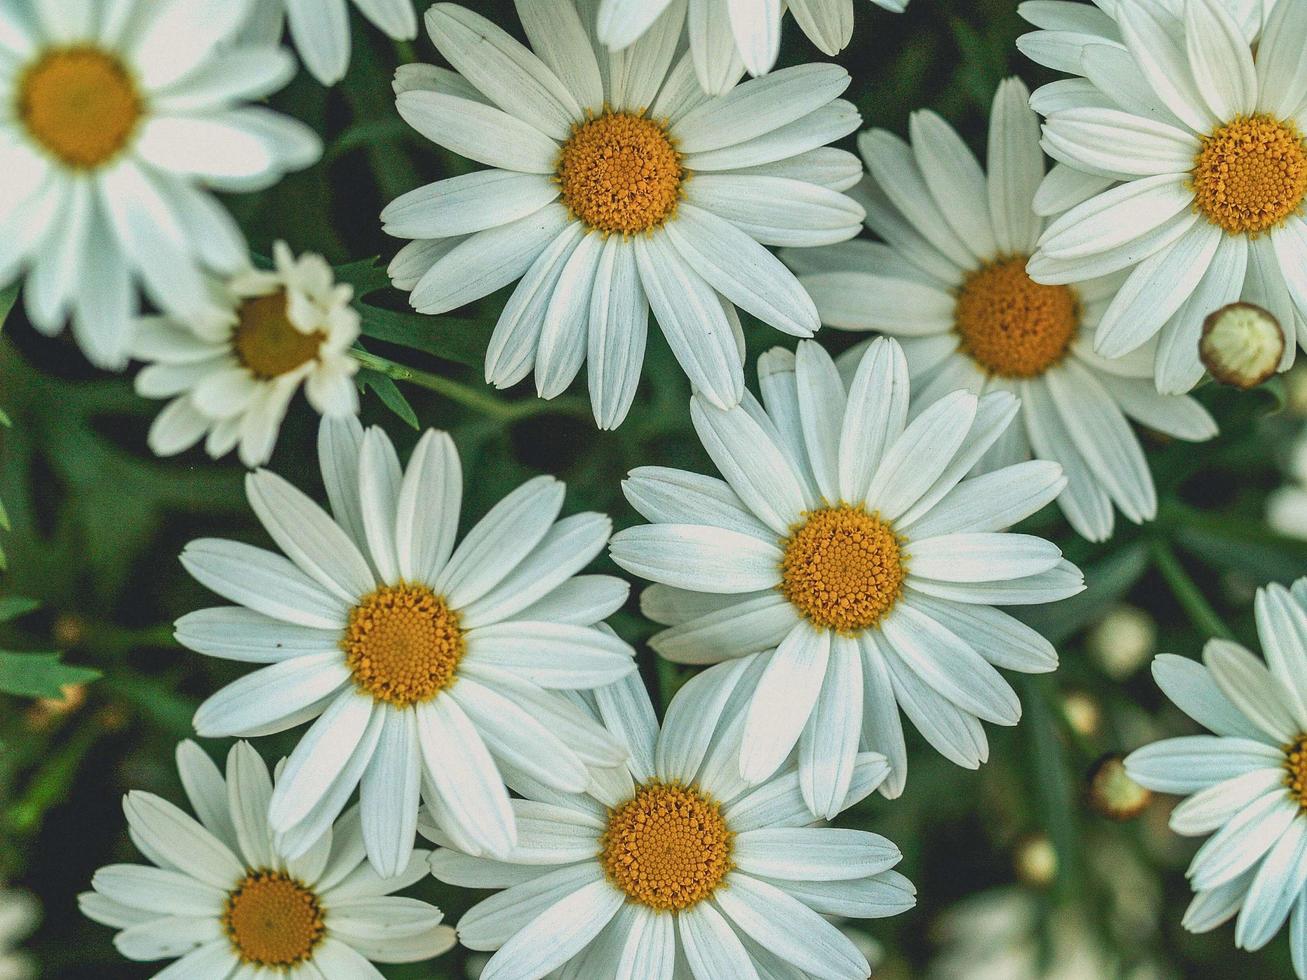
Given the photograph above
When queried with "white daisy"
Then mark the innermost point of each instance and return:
(951, 283)
(731, 36)
(430, 669)
(1247, 782)
(672, 866)
(1194, 138)
(124, 115)
(847, 545)
(617, 186)
(320, 29)
(19, 914)
(224, 902)
(232, 375)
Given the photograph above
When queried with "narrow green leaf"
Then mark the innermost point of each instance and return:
(8, 296)
(389, 393)
(39, 675)
(13, 606)
(451, 338)
(365, 275)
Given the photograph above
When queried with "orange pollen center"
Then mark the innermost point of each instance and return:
(1295, 768)
(1251, 175)
(843, 569)
(620, 173)
(1011, 325)
(403, 644)
(267, 343)
(80, 104)
(273, 920)
(668, 848)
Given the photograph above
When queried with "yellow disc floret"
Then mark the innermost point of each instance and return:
(1251, 175)
(668, 848)
(80, 104)
(620, 173)
(273, 920)
(403, 644)
(1011, 325)
(843, 568)
(1295, 769)
(267, 343)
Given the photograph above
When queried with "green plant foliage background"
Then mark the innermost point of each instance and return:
(98, 524)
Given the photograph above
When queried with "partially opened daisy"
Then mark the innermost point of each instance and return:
(616, 187)
(231, 375)
(220, 898)
(123, 117)
(849, 548)
(727, 36)
(672, 866)
(1198, 137)
(321, 29)
(951, 283)
(1246, 783)
(429, 668)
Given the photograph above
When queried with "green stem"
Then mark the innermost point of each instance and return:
(1186, 591)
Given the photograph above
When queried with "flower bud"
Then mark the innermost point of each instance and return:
(1112, 792)
(1242, 345)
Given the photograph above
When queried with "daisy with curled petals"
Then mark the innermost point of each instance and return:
(1197, 137)
(672, 866)
(122, 117)
(321, 32)
(951, 284)
(846, 550)
(432, 671)
(224, 902)
(231, 375)
(728, 36)
(1246, 783)
(616, 187)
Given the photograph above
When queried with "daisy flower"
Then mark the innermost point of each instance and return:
(1196, 138)
(617, 186)
(672, 866)
(320, 29)
(124, 116)
(729, 36)
(846, 548)
(231, 375)
(1246, 783)
(951, 284)
(431, 669)
(223, 902)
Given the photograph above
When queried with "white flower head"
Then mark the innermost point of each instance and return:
(616, 187)
(950, 282)
(432, 671)
(851, 564)
(231, 374)
(321, 30)
(126, 115)
(1246, 783)
(19, 914)
(221, 899)
(674, 866)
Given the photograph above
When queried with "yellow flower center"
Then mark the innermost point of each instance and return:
(843, 569)
(1011, 325)
(267, 343)
(80, 104)
(1295, 769)
(668, 848)
(620, 173)
(403, 644)
(273, 920)
(1251, 174)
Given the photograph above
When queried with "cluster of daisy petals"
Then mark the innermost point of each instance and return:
(839, 573)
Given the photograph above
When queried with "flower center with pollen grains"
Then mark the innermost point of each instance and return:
(267, 343)
(1251, 174)
(273, 920)
(403, 644)
(1011, 325)
(619, 173)
(1295, 768)
(81, 105)
(843, 569)
(668, 848)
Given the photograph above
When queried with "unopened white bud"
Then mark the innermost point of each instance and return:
(1242, 345)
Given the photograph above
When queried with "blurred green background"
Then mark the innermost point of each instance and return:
(97, 525)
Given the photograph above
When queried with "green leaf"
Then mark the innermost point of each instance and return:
(451, 338)
(8, 296)
(13, 606)
(365, 275)
(39, 675)
(389, 393)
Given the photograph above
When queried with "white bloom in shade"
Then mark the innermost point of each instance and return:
(1247, 782)
(19, 914)
(321, 31)
(847, 555)
(123, 116)
(231, 374)
(225, 903)
(672, 866)
(432, 670)
(617, 187)
(951, 283)
(728, 36)
(1196, 139)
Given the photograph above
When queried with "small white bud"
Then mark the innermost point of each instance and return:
(1242, 345)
